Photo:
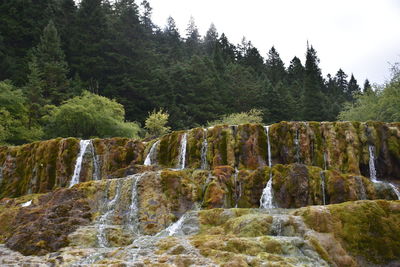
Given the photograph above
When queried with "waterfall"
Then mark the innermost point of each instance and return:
(105, 218)
(182, 152)
(325, 161)
(372, 170)
(322, 175)
(96, 164)
(395, 190)
(83, 144)
(204, 147)
(174, 228)
(267, 194)
(238, 193)
(134, 208)
(268, 147)
(363, 194)
(151, 157)
(297, 143)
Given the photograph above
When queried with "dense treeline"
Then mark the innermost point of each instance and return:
(53, 50)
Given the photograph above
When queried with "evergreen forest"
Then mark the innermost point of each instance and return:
(99, 68)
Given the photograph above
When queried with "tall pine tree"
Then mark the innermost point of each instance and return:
(313, 99)
(275, 68)
(52, 66)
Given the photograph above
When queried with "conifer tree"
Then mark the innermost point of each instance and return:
(192, 37)
(342, 84)
(367, 87)
(34, 93)
(89, 43)
(275, 69)
(313, 99)
(353, 88)
(210, 39)
(51, 65)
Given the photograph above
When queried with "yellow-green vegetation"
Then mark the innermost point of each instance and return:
(156, 123)
(370, 229)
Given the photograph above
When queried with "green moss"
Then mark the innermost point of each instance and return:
(169, 149)
(366, 228)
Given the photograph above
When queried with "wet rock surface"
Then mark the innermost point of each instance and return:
(192, 198)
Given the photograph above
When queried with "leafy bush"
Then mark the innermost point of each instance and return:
(15, 127)
(90, 115)
(252, 116)
(155, 123)
(383, 104)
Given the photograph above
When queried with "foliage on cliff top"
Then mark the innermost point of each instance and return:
(383, 104)
(252, 116)
(90, 115)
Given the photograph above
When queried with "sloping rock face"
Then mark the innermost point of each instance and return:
(341, 146)
(193, 198)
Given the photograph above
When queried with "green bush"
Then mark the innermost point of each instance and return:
(15, 127)
(383, 104)
(155, 123)
(252, 116)
(88, 116)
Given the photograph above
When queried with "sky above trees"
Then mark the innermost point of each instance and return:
(359, 36)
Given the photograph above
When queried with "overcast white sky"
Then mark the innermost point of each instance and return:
(359, 36)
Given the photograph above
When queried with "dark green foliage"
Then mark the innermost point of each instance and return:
(52, 69)
(313, 98)
(274, 67)
(112, 49)
(79, 117)
(14, 119)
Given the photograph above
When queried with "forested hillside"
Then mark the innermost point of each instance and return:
(53, 50)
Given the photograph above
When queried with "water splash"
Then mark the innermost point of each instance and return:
(83, 144)
(322, 175)
(204, 148)
(182, 152)
(361, 188)
(26, 204)
(266, 200)
(176, 227)
(395, 190)
(151, 157)
(105, 219)
(372, 169)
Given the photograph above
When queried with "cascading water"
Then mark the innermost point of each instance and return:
(395, 190)
(361, 188)
(96, 164)
(105, 219)
(134, 207)
(151, 157)
(372, 170)
(174, 228)
(83, 144)
(182, 152)
(204, 148)
(322, 175)
(325, 161)
(297, 144)
(266, 200)
(238, 187)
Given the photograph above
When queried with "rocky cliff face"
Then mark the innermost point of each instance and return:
(193, 197)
